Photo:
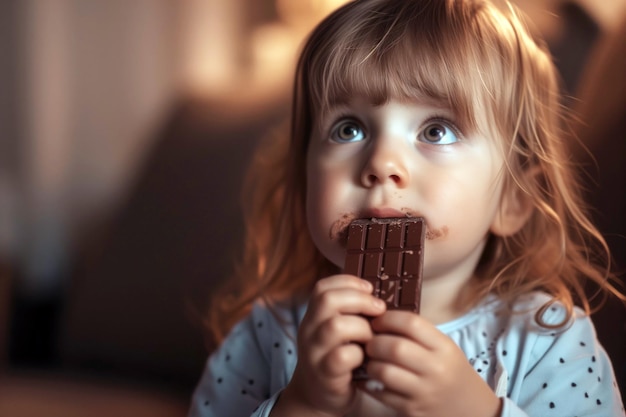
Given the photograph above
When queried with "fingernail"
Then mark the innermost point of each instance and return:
(378, 303)
(374, 385)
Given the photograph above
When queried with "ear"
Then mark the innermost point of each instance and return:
(514, 211)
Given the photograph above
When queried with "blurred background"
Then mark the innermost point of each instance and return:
(125, 130)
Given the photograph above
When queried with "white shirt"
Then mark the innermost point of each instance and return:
(539, 372)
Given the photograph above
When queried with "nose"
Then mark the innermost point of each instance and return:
(385, 164)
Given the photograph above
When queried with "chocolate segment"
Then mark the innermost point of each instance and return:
(389, 253)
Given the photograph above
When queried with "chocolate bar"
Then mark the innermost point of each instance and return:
(389, 253)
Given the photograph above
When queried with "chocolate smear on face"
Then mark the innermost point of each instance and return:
(339, 229)
(432, 234)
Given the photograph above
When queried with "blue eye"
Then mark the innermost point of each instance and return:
(438, 133)
(347, 131)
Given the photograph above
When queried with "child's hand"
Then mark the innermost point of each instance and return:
(423, 372)
(327, 347)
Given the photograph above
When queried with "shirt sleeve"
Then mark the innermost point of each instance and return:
(568, 374)
(235, 380)
(249, 370)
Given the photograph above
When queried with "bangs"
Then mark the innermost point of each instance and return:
(409, 50)
(381, 72)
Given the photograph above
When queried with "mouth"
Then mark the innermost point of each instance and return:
(383, 213)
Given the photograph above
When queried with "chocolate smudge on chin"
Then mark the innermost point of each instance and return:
(339, 229)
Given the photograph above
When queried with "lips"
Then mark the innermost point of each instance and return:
(383, 213)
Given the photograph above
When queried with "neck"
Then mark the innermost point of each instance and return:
(449, 292)
(445, 299)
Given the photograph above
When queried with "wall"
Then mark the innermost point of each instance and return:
(92, 80)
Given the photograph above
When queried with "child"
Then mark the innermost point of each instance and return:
(442, 109)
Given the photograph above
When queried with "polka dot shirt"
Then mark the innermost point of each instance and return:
(538, 372)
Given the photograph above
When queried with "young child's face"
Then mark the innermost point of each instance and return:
(403, 159)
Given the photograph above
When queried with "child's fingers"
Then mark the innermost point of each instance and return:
(341, 360)
(393, 384)
(345, 301)
(334, 316)
(388, 397)
(399, 351)
(341, 294)
(337, 330)
(410, 325)
(341, 281)
(343, 329)
(418, 394)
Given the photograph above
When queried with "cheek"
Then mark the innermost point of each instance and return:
(325, 209)
(327, 187)
(316, 195)
(317, 206)
(314, 210)
(462, 202)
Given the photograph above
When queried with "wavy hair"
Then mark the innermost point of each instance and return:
(470, 56)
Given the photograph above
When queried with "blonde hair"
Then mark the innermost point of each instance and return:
(470, 56)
